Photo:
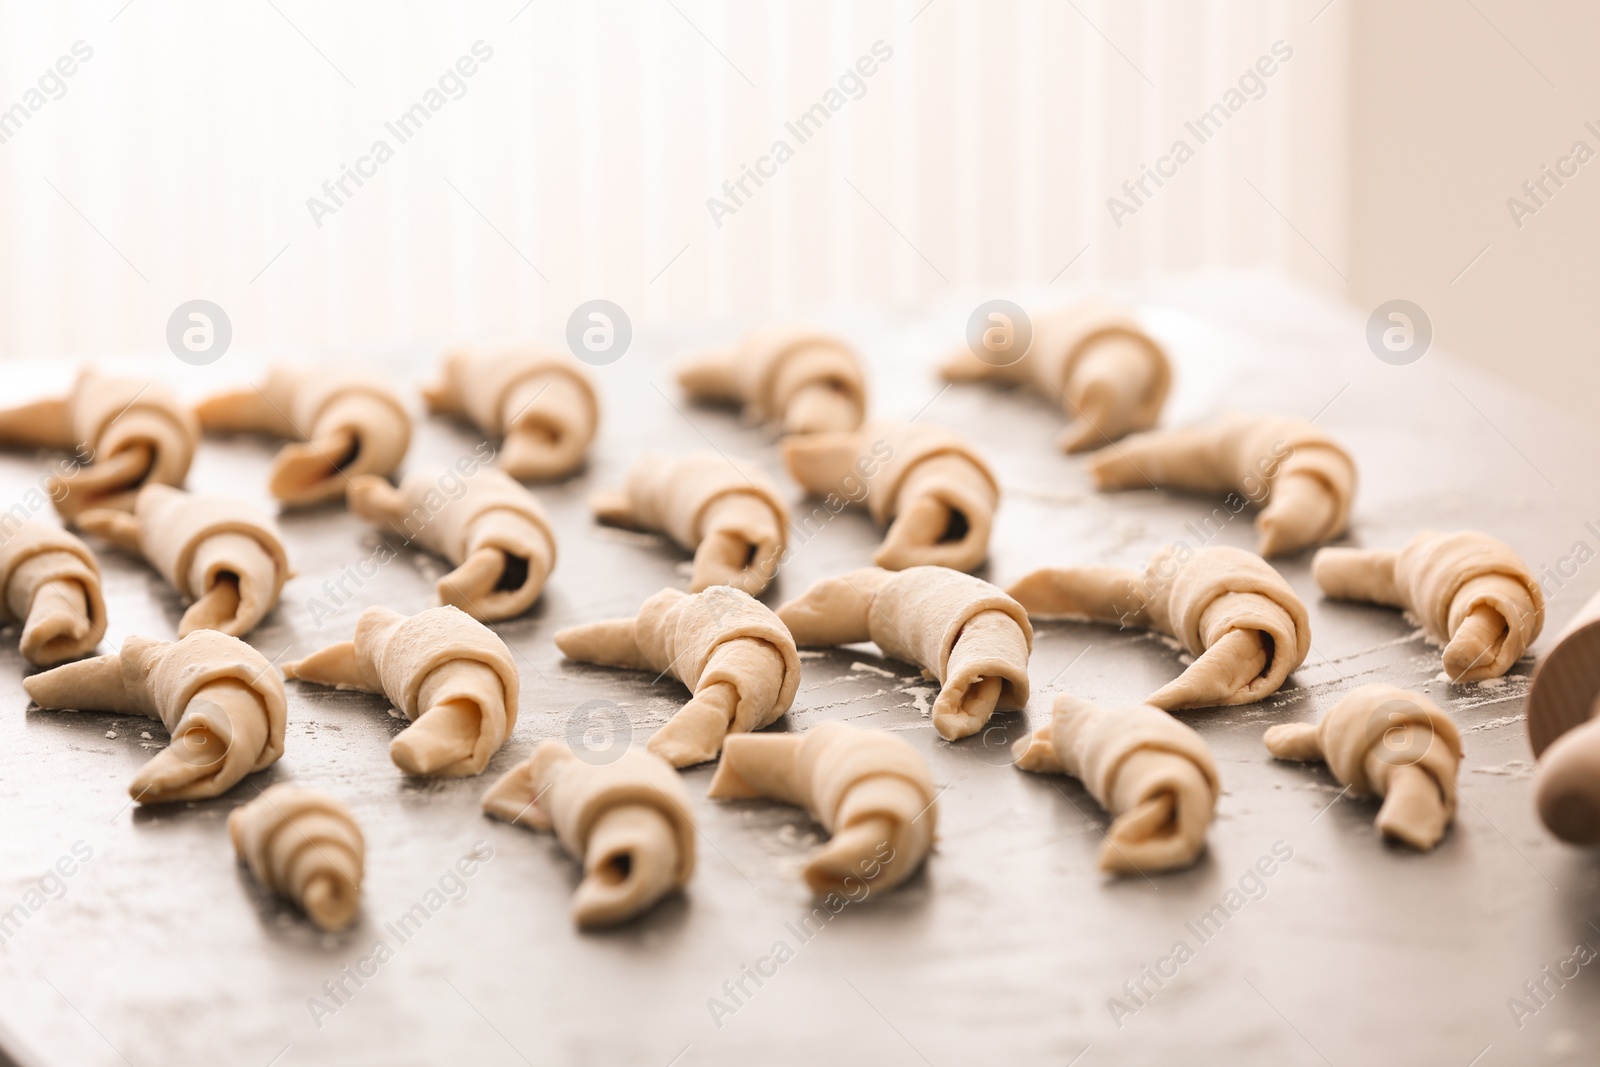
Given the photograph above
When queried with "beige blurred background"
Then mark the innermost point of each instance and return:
(580, 157)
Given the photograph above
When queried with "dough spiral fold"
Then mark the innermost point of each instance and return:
(807, 381)
(727, 648)
(450, 675)
(219, 699)
(306, 846)
(965, 633)
(1153, 773)
(50, 583)
(628, 821)
(538, 403)
(869, 790)
(1229, 609)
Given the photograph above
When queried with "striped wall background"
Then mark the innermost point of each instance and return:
(578, 163)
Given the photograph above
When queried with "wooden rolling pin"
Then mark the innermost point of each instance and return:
(1564, 729)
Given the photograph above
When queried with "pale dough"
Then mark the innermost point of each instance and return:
(804, 380)
(730, 516)
(1229, 609)
(344, 423)
(304, 845)
(538, 402)
(628, 820)
(963, 632)
(1109, 375)
(930, 488)
(870, 791)
(729, 649)
(224, 557)
(50, 583)
(450, 675)
(492, 529)
(1302, 479)
(1151, 772)
(125, 433)
(1384, 741)
(219, 698)
(1469, 591)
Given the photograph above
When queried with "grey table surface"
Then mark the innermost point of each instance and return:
(1009, 946)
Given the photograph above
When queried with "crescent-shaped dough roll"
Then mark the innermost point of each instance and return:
(306, 846)
(963, 632)
(1151, 772)
(1470, 592)
(729, 649)
(1302, 479)
(731, 517)
(930, 488)
(50, 583)
(486, 524)
(1229, 609)
(126, 432)
(450, 675)
(870, 791)
(539, 403)
(1110, 375)
(628, 821)
(219, 699)
(1384, 741)
(807, 381)
(224, 557)
(343, 423)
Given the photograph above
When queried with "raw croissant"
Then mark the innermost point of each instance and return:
(304, 845)
(1470, 592)
(539, 402)
(50, 583)
(965, 633)
(628, 821)
(1151, 772)
(730, 517)
(805, 380)
(222, 556)
(486, 524)
(218, 698)
(1383, 741)
(1229, 609)
(929, 487)
(1111, 377)
(446, 672)
(869, 790)
(127, 432)
(729, 650)
(1302, 479)
(343, 423)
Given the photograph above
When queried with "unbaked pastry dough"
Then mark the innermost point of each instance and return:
(1384, 741)
(729, 649)
(126, 432)
(870, 791)
(1469, 591)
(629, 821)
(223, 557)
(306, 846)
(1151, 772)
(963, 632)
(219, 698)
(486, 524)
(1229, 609)
(50, 583)
(540, 404)
(1302, 479)
(344, 423)
(730, 516)
(1110, 376)
(930, 488)
(807, 381)
(450, 675)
